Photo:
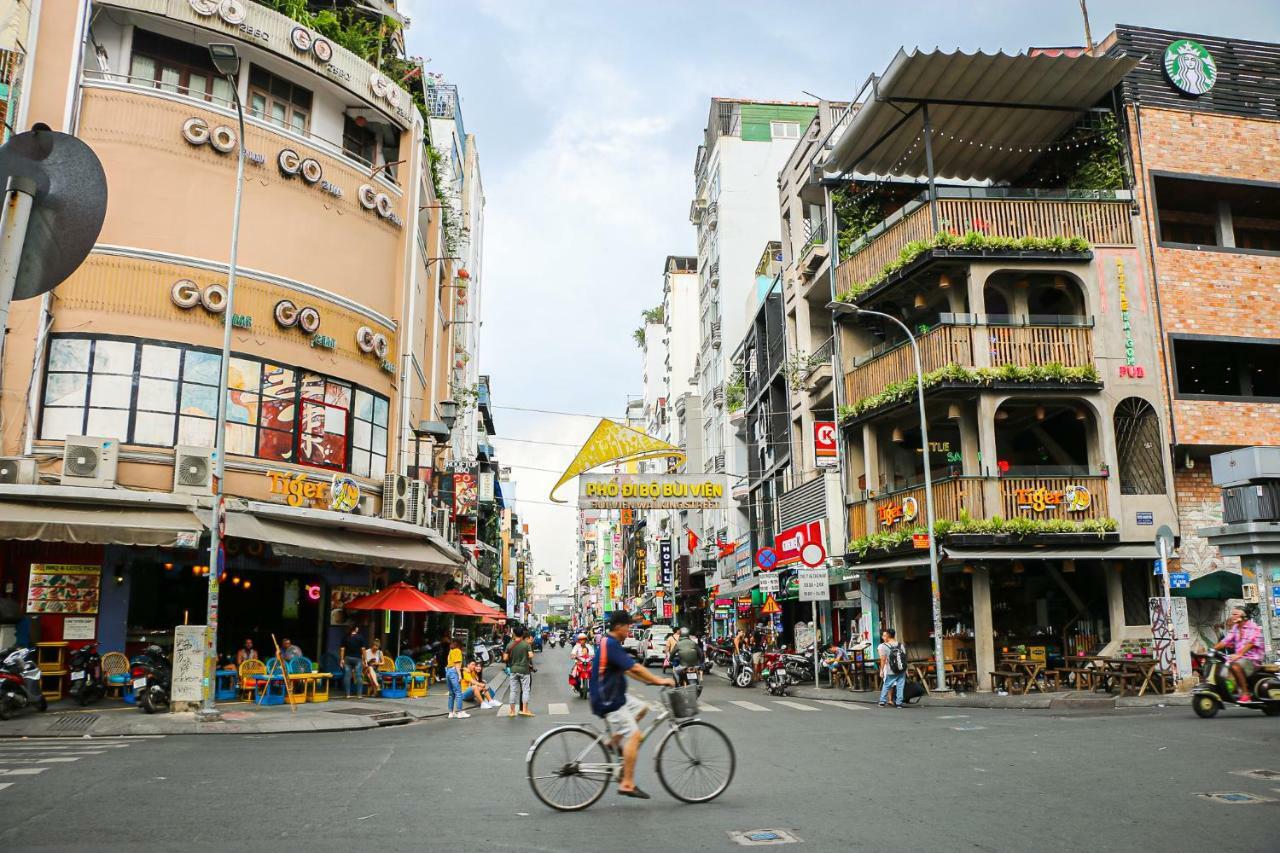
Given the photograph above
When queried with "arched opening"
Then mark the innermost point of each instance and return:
(994, 304)
(1035, 298)
(1138, 448)
(1042, 438)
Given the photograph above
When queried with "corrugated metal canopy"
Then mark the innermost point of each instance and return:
(983, 108)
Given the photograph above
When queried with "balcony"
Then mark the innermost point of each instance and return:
(712, 217)
(713, 274)
(815, 250)
(1000, 345)
(819, 370)
(954, 498)
(995, 213)
(715, 334)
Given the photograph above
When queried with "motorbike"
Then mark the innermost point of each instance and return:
(781, 670)
(19, 682)
(152, 677)
(742, 672)
(1218, 687)
(580, 678)
(719, 654)
(88, 681)
(690, 675)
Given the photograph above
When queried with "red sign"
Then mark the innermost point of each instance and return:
(824, 440)
(789, 544)
(920, 541)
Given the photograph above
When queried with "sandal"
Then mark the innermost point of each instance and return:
(637, 793)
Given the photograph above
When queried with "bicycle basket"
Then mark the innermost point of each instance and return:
(683, 701)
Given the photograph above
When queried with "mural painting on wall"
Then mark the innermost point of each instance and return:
(1195, 555)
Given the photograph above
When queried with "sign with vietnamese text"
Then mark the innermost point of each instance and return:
(813, 584)
(653, 491)
(769, 583)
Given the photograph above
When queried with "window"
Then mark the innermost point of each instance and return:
(784, 129)
(279, 101)
(1226, 367)
(163, 395)
(175, 66)
(1225, 214)
(358, 140)
(1138, 448)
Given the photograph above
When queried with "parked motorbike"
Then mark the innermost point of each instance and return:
(88, 681)
(580, 678)
(742, 672)
(1218, 687)
(719, 654)
(152, 679)
(19, 682)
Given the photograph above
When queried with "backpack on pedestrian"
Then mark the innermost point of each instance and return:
(897, 659)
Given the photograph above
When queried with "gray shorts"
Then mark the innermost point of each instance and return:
(626, 719)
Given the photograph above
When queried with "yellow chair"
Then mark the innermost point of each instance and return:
(319, 684)
(115, 669)
(418, 685)
(249, 672)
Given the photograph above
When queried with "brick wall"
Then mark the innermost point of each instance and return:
(1208, 292)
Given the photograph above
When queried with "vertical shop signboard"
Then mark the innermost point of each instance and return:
(664, 561)
(826, 452)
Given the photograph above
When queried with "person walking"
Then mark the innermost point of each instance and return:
(893, 667)
(352, 650)
(519, 658)
(453, 673)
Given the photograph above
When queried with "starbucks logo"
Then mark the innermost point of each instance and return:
(1190, 66)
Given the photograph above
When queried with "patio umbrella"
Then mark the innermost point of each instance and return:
(403, 598)
(465, 605)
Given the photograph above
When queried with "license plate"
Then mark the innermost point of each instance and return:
(139, 683)
(77, 676)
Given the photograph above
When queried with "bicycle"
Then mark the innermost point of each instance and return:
(571, 766)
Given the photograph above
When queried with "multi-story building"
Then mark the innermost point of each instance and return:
(345, 326)
(735, 211)
(996, 222)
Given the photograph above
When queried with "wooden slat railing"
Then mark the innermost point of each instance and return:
(1024, 496)
(858, 520)
(950, 496)
(939, 347)
(1025, 346)
(1102, 223)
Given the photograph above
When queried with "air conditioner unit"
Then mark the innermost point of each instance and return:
(419, 503)
(192, 470)
(366, 506)
(89, 461)
(440, 521)
(396, 498)
(17, 471)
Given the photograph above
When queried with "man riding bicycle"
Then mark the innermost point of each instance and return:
(609, 697)
(685, 655)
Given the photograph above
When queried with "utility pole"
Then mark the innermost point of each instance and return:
(1088, 34)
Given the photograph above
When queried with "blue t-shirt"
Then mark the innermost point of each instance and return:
(609, 687)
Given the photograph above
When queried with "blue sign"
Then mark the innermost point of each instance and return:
(1179, 580)
(1159, 566)
(766, 558)
(1146, 519)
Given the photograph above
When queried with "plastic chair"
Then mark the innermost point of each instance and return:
(299, 681)
(405, 664)
(115, 667)
(269, 688)
(250, 672)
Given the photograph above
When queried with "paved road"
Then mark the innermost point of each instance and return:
(841, 776)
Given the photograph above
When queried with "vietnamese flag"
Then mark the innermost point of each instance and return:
(693, 539)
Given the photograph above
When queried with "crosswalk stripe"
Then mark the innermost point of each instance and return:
(750, 706)
(799, 706)
(705, 706)
(23, 771)
(847, 706)
(558, 708)
(4, 785)
(59, 760)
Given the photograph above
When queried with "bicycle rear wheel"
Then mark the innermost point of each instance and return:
(569, 768)
(695, 762)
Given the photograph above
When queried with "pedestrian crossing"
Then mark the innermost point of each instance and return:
(27, 759)
(565, 709)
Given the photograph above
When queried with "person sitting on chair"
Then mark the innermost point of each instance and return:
(288, 651)
(372, 660)
(247, 652)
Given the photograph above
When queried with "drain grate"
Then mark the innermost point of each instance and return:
(764, 837)
(74, 722)
(1234, 798)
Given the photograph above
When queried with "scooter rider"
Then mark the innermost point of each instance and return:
(685, 655)
(581, 650)
(1244, 639)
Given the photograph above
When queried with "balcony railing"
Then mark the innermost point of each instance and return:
(817, 237)
(1021, 346)
(1029, 497)
(715, 334)
(1102, 222)
(713, 214)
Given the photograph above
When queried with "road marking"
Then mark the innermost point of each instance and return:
(705, 706)
(4, 785)
(799, 706)
(750, 706)
(847, 706)
(23, 771)
(558, 708)
(59, 760)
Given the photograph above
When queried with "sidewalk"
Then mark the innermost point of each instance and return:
(1062, 700)
(112, 718)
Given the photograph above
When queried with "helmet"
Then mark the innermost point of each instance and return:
(582, 636)
(684, 632)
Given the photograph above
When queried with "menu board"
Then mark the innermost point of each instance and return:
(63, 588)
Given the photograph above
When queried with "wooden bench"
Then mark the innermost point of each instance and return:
(959, 679)
(1003, 677)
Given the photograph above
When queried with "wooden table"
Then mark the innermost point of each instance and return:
(1141, 668)
(921, 668)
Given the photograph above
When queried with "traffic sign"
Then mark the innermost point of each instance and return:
(769, 583)
(813, 554)
(1158, 567)
(1179, 580)
(813, 585)
(767, 559)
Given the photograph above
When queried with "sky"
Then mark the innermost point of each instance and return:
(587, 117)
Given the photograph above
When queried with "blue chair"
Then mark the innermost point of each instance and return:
(226, 685)
(269, 689)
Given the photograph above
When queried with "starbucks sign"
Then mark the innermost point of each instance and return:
(1190, 66)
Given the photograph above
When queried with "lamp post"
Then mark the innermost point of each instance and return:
(847, 308)
(226, 60)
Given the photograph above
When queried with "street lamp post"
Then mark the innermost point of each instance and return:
(848, 308)
(226, 60)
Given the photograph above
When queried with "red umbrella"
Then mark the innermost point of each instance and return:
(465, 605)
(400, 597)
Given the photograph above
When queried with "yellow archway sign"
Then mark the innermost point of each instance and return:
(613, 442)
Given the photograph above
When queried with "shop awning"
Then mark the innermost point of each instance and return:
(1220, 585)
(989, 112)
(340, 545)
(165, 527)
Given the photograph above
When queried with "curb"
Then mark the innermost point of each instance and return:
(991, 702)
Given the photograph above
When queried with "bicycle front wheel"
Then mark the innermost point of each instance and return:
(569, 768)
(695, 762)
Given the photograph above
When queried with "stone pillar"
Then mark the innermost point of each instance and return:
(970, 445)
(986, 426)
(984, 645)
(1115, 599)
